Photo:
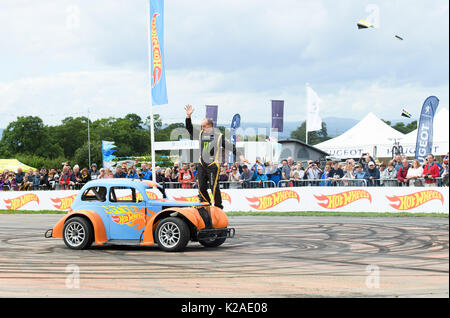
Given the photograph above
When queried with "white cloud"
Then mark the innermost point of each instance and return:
(237, 54)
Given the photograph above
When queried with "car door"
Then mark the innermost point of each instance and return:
(126, 212)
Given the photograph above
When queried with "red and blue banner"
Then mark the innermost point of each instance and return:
(424, 143)
(157, 69)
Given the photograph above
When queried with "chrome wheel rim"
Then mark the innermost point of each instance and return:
(75, 234)
(169, 234)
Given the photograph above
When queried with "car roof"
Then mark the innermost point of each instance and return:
(136, 183)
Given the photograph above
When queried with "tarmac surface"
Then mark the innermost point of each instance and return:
(269, 257)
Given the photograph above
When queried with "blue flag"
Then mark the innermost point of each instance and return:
(156, 38)
(235, 124)
(424, 143)
(107, 153)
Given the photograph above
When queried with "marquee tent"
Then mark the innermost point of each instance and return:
(440, 135)
(371, 135)
(12, 165)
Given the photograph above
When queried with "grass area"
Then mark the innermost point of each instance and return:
(240, 213)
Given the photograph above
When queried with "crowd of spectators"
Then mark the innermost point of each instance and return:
(363, 172)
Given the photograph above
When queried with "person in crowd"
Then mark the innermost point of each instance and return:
(93, 172)
(285, 172)
(36, 180)
(19, 181)
(27, 181)
(132, 173)
(325, 177)
(175, 170)
(274, 174)
(402, 173)
(85, 176)
(109, 174)
(445, 177)
(52, 179)
(312, 173)
(64, 179)
(299, 169)
(246, 176)
(223, 177)
(260, 177)
(145, 172)
(193, 169)
(167, 178)
(120, 173)
(238, 166)
(75, 178)
(389, 175)
(102, 174)
(360, 175)
(430, 171)
(186, 177)
(364, 161)
(336, 173)
(373, 175)
(43, 181)
(398, 164)
(234, 177)
(349, 176)
(415, 174)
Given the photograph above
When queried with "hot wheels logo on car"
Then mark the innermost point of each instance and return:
(411, 201)
(225, 197)
(273, 199)
(17, 203)
(132, 216)
(339, 200)
(150, 195)
(63, 203)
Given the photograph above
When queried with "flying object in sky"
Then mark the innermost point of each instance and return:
(399, 37)
(364, 24)
(406, 114)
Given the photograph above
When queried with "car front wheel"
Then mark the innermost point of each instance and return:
(172, 234)
(78, 233)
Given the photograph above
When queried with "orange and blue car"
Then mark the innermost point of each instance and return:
(125, 212)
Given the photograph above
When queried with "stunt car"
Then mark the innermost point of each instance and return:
(124, 212)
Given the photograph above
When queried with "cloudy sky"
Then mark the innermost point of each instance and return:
(61, 58)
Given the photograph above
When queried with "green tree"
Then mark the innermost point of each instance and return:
(29, 135)
(314, 137)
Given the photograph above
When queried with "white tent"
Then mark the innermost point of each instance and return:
(371, 135)
(440, 135)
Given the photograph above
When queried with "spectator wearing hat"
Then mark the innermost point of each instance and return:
(93, 172)
(373, 175)
(360, 174)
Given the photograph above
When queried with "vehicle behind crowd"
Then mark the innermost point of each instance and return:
(361, 172)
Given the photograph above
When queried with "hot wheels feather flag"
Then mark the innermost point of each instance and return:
(156, 46)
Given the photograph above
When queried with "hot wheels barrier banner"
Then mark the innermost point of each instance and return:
(156, 38)
(424, 143)
(301, 199)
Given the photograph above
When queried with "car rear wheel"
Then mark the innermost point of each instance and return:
(78, 233)
(172, 234)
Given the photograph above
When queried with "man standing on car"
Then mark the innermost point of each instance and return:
(212, 152)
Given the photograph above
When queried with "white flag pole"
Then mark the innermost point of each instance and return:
(152, 121)
(306, 123)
